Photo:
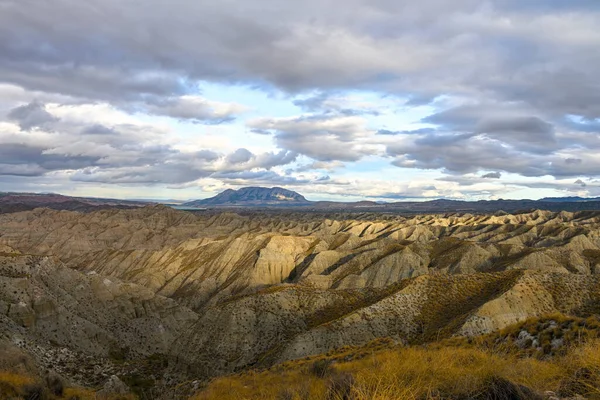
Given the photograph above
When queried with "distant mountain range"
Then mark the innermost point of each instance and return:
(573, 199)
(280, 198)
(14, 202)
(277, 197)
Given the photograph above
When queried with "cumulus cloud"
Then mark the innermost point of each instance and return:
(508, 124)
(169, 166)
(321, 137)
(101, 145)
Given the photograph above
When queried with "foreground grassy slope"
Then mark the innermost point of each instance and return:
(555, 353)
(15, 386)
(524, 361)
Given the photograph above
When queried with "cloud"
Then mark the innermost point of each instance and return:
(30, 160)
(466, 49)
(168, 166)
(492, 175)
(324, 165)
(98, 144)
(580, 183)
(98, 129)
(321, 137)
(195, 109)
(239, 156)
(463, 153)
(509, 124)
(328, 103)
(573, 161)
(31, 116)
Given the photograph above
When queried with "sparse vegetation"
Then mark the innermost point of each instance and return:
(16, 386)
(492, 366)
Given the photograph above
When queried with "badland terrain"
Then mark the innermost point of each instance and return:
(154, 302)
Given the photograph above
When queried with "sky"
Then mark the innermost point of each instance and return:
(339, 100)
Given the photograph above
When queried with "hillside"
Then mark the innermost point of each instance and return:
(457, 369)
(121, 288)
(14, 202)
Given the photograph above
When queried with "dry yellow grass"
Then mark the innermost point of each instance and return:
(19, 386)
(11, 384)
(419, 373)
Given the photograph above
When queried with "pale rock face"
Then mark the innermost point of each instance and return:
(395, 267)
(538, 261)
(352, 281)
(316, 281)
(527, 298)
(321, 262)
(278, 258)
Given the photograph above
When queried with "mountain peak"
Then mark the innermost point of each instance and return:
(253, 196)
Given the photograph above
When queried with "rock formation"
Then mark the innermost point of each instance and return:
(218, 292)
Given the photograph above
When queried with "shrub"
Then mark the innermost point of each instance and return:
(321, 368)
(498, 388)
(54, 384)
(34, 392)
